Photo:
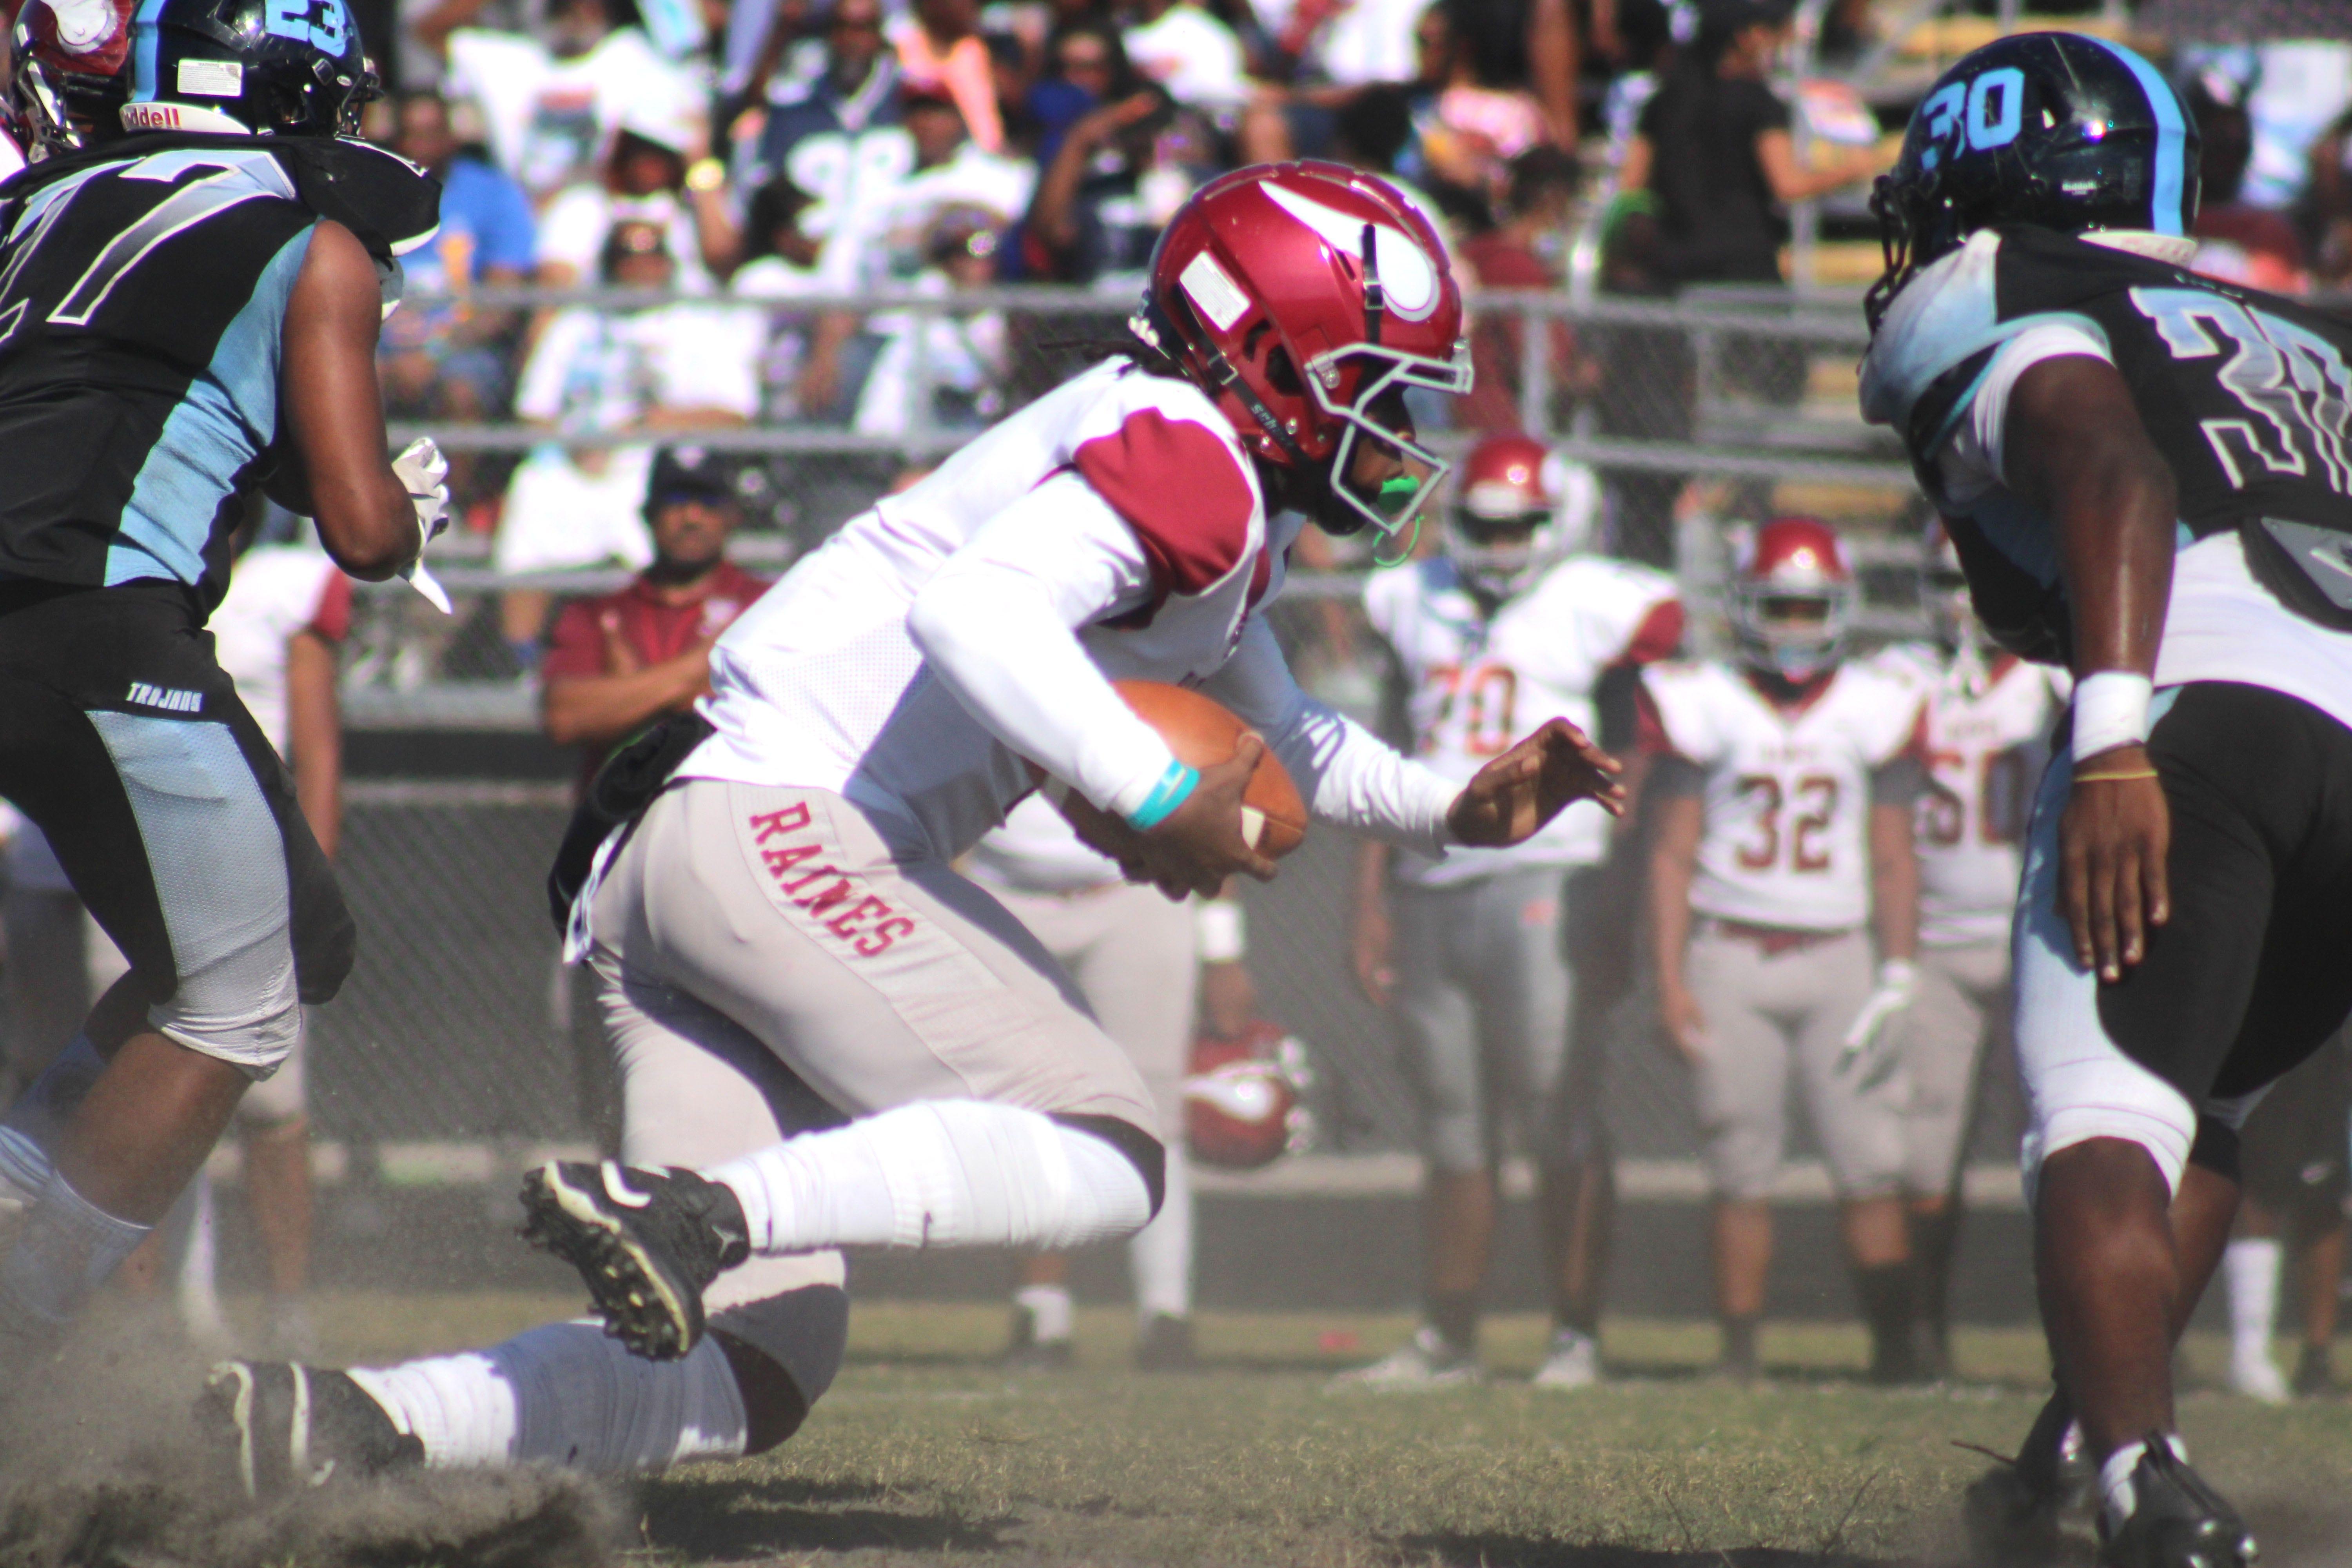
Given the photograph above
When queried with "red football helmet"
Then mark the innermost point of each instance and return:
(1791, 597)
(1241, 1109)
(1305, 298)
(1519, 508)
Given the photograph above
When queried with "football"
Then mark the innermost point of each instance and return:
(1202, 732)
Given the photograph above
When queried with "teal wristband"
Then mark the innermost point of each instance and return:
(1174, 786)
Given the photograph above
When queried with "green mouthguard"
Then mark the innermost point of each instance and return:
(1397, 494)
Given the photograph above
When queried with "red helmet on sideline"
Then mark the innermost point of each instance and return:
(1518, 508)
(1791, 597)
(1300, 296)
(1241, 1109)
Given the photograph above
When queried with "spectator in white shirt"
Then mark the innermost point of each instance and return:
(685, 365)
(1191, 54)
(656, 171)
(552, 107)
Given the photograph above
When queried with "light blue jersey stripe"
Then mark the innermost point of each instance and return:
(2171, 138)
(227, 416)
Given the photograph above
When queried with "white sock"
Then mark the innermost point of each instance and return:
(1160, 1256)
(2114, 1477)
(948, 1173)
(567, 1395)
(196, 1288)
(32, 1124)
(67, 1250)
(1051, 1318)
(2252, 1265)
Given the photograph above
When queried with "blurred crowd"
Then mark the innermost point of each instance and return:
(757, 163)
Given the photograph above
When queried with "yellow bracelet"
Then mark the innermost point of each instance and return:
(2116, 778)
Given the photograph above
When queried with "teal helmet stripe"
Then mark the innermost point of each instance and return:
(2168, 199)
(146, 38)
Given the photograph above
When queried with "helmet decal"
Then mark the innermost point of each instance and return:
(1220, 299)
(2171, 137)
(85, 27)
(1408, 280)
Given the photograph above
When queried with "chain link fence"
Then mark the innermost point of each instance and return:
(458, 1024)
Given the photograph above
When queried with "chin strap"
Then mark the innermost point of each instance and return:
(1154, 325)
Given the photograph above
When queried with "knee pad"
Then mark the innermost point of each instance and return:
(2108, 1096)
(806, 1332)
(2215, 1148)
(1143, 1150)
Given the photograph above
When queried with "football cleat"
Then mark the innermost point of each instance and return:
(2314, 1378)
(1027, 1352)
(2256, 1376)
(1166, 1345)
(291, 1427)
(1428, 1360)
(2014, 1513)
(1572, 1360)
(2177, 1519)
(645, 1243)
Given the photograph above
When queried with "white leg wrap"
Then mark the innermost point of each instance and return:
(1053, 1317)
(2252, 1265)
(1160, 1256)
(67, 1248)
(567, 1395)
(956, 1172)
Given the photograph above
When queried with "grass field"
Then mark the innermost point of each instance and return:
(926, 1452)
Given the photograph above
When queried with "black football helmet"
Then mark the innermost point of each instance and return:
(241, 67)
(2060, 131)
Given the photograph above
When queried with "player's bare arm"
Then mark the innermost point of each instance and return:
(1893, 882)
(314, 732)
(1673, 855)
(600, 710)
(2076, 449)
(1534, 781)
(334, 413)
(1372, 938)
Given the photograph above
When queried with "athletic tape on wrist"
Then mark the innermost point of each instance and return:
(1897, 974)
(1175, 786)
(2110, 711)
(1220, 931)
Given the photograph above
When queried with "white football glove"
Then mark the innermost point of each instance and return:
(1899, 978)
(424, 472)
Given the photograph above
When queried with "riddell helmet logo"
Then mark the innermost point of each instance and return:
(1407, 276)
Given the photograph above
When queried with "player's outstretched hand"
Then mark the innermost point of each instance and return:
(1532, 783)
(2112, 845)
(1197, 845)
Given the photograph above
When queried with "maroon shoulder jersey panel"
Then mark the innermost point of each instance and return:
(1182, 491)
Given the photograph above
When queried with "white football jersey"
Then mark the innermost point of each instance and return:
(1787, 790)
(275, 590)
(1037, 851)
(1985, 733)
(924, 656)
(1477, 685)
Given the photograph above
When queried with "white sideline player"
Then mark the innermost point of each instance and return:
(1136, 956)
(1783, 790)
(787, 899)
(1985, 732)
(1512, 625)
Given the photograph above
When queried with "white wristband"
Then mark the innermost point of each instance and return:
(1220, 930)
(1897, 974)
(2110, 711)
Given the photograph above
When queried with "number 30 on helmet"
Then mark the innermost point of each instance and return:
(2060, 131)
(1306, 298)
